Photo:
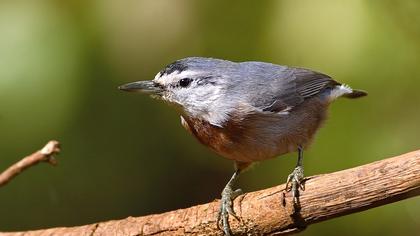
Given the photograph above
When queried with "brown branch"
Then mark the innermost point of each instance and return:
(46, 154)
(326, 196)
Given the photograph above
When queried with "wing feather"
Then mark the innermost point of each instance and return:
(296, 86)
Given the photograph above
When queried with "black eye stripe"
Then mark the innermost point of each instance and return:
(175, 66)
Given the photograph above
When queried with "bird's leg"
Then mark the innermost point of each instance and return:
(295, 179)
(226, 204)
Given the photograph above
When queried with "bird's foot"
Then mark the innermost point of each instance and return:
(295, 179)
(226, 209)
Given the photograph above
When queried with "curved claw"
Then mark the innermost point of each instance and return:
(226, 209)
(295, 179)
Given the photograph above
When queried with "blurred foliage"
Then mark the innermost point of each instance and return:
(126, 154)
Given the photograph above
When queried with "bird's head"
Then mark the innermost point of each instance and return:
(196, 85)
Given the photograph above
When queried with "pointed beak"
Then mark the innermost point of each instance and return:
(147, 87)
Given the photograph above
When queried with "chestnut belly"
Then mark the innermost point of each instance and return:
(260, 135)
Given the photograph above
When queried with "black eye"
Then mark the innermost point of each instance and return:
(185, 82)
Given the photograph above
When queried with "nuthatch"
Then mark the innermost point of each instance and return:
(247, 112)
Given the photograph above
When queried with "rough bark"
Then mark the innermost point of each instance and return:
(269, 211)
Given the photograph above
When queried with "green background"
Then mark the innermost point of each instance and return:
(127, 155)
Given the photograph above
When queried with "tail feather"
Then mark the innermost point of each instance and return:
(343, 90)
(355, 94)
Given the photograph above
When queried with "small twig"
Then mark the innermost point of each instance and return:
(46, 154)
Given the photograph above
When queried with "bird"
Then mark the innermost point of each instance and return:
(247, 112)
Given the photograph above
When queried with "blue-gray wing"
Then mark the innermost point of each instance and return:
(293, 86)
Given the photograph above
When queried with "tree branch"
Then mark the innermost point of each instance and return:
(45, 154)
(262, 212)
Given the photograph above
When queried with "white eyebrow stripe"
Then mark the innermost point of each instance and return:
(166, 79)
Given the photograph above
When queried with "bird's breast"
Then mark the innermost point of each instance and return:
(217, 138)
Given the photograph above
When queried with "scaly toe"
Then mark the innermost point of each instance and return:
(226, 209)
(294, 182)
